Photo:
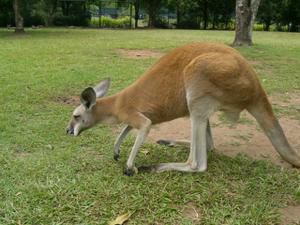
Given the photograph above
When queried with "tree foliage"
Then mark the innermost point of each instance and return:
(281, 13)
(46, 9)
(205, 14)
(6, 12)
(189, 14)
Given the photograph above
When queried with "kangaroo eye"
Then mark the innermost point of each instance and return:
(76, 116)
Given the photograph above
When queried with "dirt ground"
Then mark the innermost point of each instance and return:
(246, 137)
(290, 215)
(142, 53)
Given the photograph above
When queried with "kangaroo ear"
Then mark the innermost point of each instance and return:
(88, 97)
(102, 88)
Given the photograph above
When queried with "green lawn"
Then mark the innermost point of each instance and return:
(47, 177)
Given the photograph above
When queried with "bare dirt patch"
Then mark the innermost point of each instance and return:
(72, 100)
(192, 212)
(139, 54)
(290, 215)
(22, 154)
(255, 62)
(246, 137)
(288, 99)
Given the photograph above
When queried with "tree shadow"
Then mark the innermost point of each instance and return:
(40, 33)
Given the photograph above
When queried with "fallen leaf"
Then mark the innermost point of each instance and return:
(18, 193)
(145, 152)
(50, 147)
(120, 219)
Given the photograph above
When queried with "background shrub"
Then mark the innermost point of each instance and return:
(108, 22)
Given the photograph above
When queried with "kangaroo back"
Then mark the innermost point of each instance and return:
(160, 93)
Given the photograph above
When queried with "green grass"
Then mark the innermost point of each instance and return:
(47, 177)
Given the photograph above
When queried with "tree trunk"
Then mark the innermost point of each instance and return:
(293, 27)
(267, 27)
(254, 8)
(18, 17)
(152, 14)
(65, 8)
(214, 21)
(178, 14)
(137, 12)
(50, 20)
(52, 11)
(246, 11)
(152, 8)
(205, 14)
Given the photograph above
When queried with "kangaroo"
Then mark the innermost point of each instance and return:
(195, 80)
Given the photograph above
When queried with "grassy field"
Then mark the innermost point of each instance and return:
(47, 177)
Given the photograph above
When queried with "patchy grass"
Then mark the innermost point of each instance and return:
(47, 177)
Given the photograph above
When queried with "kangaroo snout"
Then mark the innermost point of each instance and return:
(74, 130)
(70, 130)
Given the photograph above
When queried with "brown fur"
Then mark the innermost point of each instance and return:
(200, 76)
(160, 94)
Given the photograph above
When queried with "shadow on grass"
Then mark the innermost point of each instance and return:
(41, 33)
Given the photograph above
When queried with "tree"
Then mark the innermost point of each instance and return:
(205, 13)
(291, 14)
(245, 11)
(221, 13)
(18, 17)
(136, 12)
(47, 10)
(266, 13)
(178, 5)
(6, 12)
(152, 7)
(188, 13)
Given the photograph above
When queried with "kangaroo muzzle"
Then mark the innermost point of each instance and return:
(70, 130)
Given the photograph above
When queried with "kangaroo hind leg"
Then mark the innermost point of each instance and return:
(197, 160)
(186, 143)
(200, 110)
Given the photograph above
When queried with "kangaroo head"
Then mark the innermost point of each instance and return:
(83, 116)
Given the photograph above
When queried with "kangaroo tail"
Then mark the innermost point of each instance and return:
(263, 113)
